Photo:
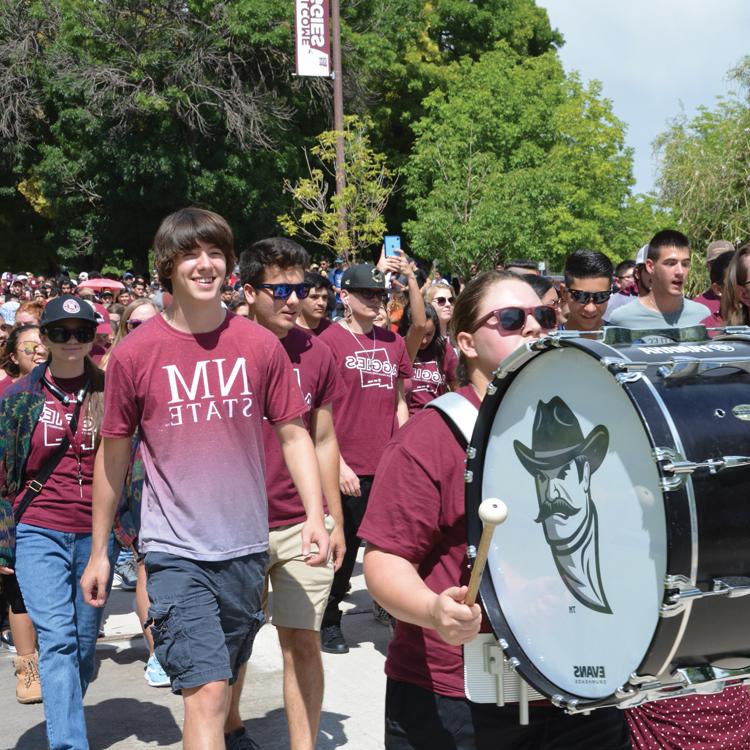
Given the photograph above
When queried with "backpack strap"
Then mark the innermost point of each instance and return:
(459, 413)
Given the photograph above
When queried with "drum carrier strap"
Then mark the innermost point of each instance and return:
(487, 676)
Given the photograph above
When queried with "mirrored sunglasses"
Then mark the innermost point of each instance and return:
(284, 291)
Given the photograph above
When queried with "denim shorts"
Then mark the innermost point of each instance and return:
(204, 615)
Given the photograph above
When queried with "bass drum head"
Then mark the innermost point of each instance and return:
(578, 566)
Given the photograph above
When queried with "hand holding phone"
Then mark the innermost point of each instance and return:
(392, 245)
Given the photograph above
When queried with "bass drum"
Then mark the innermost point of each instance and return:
(623, 565)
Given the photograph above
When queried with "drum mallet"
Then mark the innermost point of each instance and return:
(492, 512)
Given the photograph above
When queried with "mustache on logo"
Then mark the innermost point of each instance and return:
(557, 505)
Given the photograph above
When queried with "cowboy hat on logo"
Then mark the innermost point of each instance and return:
(557, 439)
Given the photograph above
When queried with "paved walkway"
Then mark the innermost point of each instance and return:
(124, 713)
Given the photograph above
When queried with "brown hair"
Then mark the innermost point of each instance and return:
(181, 231)
(465, 310)
(95, 398)
(733, 312)
(9, 348)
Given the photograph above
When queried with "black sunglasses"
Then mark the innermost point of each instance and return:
(514, 318)
(61, 335)
(370, 293)
(440, 301)
(583, 298)
(131, 324)
(284, 291)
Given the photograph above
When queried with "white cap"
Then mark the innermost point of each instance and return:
(641, 256)
(83, 276)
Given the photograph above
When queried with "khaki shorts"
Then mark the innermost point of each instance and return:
(300, 591)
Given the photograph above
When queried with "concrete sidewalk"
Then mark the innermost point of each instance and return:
(124, 713)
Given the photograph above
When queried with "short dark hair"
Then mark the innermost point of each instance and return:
(274, 251)
(540, 284)
(531, 265)
(181, 231)
(623, 267)
(587, 264)
(316, 280)
(666, 238)
(718, 268)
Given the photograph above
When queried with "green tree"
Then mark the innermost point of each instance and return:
(704, 163)
(116, 113)
(317, 208)
(518, 159)
(397, 53)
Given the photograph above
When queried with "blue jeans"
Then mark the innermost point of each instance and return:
(49, 565)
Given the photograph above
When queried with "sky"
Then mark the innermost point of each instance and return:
(655, 58)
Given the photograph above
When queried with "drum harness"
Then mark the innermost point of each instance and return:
(488, 676)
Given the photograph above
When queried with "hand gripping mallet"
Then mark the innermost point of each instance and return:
(492, 512)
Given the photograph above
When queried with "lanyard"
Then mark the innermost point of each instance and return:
(74, 427)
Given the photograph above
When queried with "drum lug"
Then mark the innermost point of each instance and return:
(471, 453)
(672, 463)
(682, 368)
(679, 590)
(491, 389)
(468, 477)
(624, 370)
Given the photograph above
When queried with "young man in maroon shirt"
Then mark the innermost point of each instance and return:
(313, 312)
(196, 383)
(272, 275)
(373, 364)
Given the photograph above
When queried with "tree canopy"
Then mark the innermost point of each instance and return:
(114, 113)
(519, 159)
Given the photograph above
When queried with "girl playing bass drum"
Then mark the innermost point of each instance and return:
(415, 527)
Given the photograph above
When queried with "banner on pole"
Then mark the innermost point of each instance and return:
(312, 38)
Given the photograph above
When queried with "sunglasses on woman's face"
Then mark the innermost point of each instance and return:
(284, 291)
(513, 319)
(583, 298)
(61, 335)
(30, 349)
(442, 301)
(132, 324)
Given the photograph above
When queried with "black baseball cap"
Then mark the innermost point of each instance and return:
(67, 307)
(363, 276)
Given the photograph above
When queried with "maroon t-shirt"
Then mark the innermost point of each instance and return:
(316, 374)
(324, 325)
(416, 510)
(429, 380)
(59, 505)
(703, 722)
(365, 414)
(198, 401)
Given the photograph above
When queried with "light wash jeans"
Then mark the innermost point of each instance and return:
(49, 565)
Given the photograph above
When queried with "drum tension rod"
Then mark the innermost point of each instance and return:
(679, 590)
(672, 463)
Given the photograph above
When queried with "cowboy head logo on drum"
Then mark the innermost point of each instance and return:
(562, 460)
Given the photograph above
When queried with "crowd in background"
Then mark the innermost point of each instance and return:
(415, 304)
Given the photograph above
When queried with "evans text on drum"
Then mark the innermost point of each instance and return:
(621, 573)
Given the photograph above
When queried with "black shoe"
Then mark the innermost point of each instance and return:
(332, 640)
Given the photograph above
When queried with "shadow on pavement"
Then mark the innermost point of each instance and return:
(270, 731)
(114, 720)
